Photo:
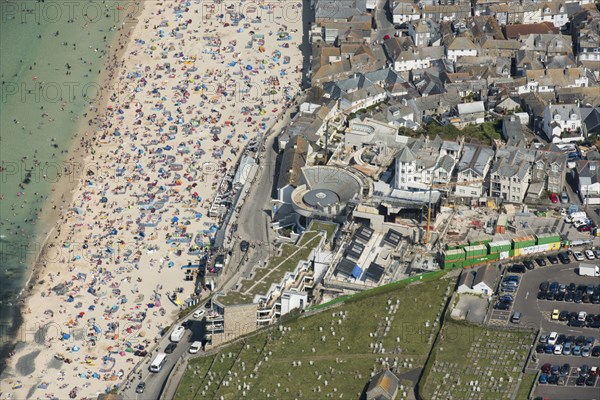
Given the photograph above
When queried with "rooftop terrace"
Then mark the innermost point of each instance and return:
(286, 260)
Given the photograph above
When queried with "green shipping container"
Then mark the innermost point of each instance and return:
(476, 242)
(476, 251)
(525, 241)
(455, 254)
(499, 246)
(453, 264)
(493, 257)
(548, 238)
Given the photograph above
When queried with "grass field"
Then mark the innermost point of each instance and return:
(333, 352)
(474, 362)
(525, 387)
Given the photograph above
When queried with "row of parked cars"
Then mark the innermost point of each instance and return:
(562, 257)
(577, 319)
(561, 344)
(509, 284)
(570, 293)
(559, 374)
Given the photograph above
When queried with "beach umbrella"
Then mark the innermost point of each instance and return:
(248, 67)
(66, 336)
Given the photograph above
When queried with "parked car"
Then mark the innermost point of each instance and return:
(553, 198)
(555, 314)
(589, 254)
(546, 368)
(596, 351)
(140, 387)
(553, 260)
(585, 351)
(576, 323)
(578, 256)
(170, 348)
(541, 262)
(244, 245)
(567, 348)
(199, 314)
(544, 379)
(590, 380)
(517, 269)
(195, 347)
(529, 264)
(565, 369)
(564, 198)
(558, 349)
(586, 228)
(563, 316)
(540, 348)
(552, 338)
(502, 305)
(544, 286)
(564, 258)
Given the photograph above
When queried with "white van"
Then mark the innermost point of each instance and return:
(177, 333)
(158, 362)
(575, 216)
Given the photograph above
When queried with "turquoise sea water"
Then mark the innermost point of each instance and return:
(51, 54)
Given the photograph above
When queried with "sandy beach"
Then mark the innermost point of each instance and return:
(192, 87)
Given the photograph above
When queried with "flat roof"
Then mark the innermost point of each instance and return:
(364, 233)
(392, 237)
(375, 272)
(354, 250)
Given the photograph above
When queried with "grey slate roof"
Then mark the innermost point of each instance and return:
(475, 158)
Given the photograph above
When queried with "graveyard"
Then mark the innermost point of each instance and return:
(331, 353)
(473, 362)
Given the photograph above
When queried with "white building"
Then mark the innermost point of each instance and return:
(480, 281)
(473, 168)
(562, 123)
(461, 47)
